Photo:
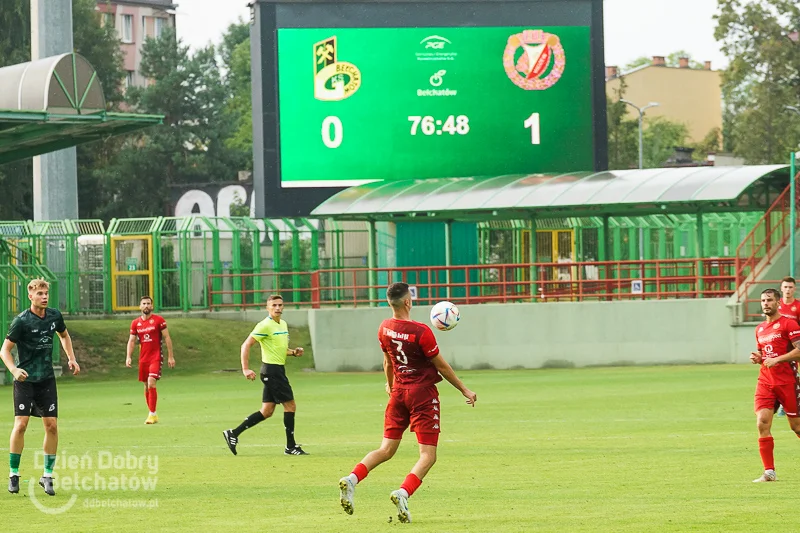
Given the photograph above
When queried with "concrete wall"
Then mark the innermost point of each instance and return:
(546, 335)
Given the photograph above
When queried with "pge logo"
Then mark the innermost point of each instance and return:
(436, 48)
(435, 42)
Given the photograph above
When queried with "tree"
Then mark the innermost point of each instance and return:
(99, 44)
(762, 78)
(190, 147)
(660, 136)
(622, 132)
(660, 139)
(235, 53)
(711, 143)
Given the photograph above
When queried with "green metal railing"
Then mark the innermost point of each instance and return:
(18, 265)
(102, 269)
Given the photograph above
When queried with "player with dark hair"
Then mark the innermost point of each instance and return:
(272, 334)
(150, 330)
(413, 366)
(778, 340)
(35, 392)
(788, 307)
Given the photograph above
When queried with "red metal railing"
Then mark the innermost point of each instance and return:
(752, 300)
(587, 281)
(765, 240)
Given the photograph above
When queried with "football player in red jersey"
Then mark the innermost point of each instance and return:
(790, 308)
(413, 366)
(150, 330)
(778, 340)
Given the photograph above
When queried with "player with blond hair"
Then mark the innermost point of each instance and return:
(35, 391)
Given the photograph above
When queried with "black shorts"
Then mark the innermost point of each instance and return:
(36, 399)
(276, 384)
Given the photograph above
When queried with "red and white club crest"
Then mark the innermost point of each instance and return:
(534, 60)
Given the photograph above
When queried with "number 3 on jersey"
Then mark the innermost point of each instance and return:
(401, 355)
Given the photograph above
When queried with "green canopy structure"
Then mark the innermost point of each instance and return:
(56, 103)
(686, 190)
(574, 194)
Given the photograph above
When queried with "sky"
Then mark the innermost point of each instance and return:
(633, 28)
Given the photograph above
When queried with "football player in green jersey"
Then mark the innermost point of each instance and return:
(34, 380)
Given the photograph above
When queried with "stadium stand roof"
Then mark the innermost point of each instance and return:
(56, 103)
(574, 194)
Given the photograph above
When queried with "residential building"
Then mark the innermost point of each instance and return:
(136, 21)
(692, 96)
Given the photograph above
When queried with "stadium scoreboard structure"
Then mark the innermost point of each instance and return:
(348, 92)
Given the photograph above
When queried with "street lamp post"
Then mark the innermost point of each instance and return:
(641, 111)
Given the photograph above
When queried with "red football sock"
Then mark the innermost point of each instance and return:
(411, 484)
(153, 399)
(147, 397)
(765, 446)
(360, 471)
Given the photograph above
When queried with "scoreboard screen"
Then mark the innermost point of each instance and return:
(354, 92)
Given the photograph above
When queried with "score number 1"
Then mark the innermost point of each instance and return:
(532, 122)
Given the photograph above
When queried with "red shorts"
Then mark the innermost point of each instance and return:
(419, 408)
(770, 396)
(150, 368)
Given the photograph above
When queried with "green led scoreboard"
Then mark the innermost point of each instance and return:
(349, 92)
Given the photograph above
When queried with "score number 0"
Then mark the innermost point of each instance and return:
(332, 132)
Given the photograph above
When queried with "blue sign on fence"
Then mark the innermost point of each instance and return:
(637, 287)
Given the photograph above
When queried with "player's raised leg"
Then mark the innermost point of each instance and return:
(347, 485)
(16, 445)
(232, 435)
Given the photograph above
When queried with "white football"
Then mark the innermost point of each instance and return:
(444, 316)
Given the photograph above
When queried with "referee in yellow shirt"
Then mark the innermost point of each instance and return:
(272, 334)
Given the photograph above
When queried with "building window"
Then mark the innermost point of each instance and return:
(108, 19)
(129, 79)
(160, 25)
(127, 29)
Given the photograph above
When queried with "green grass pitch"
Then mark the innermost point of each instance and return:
(604, 449)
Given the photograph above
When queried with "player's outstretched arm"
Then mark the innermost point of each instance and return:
(447, 373)
(66, 343)
(245, 356)
(129, 351)
(5, 352)
(168, 341)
